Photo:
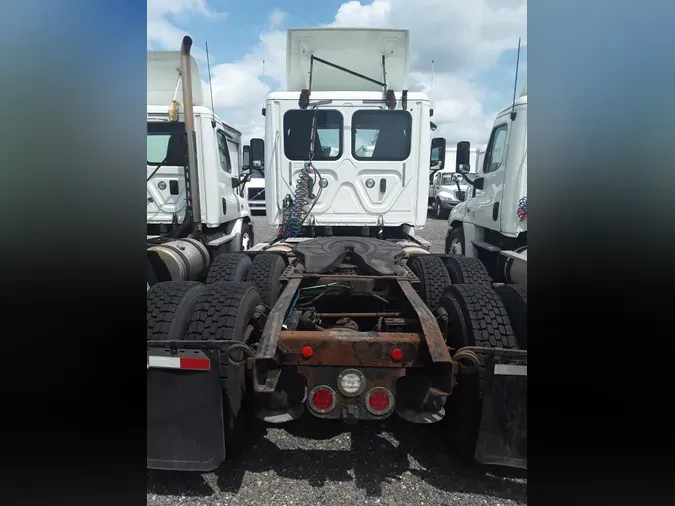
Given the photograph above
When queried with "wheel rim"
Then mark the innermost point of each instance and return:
(245, 242)
(438, 210)
(456, 247)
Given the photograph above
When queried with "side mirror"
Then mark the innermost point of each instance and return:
(257, 152)
(437, 160)
(246, 165)
(463, 160)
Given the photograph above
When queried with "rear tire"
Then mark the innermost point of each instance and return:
(229, 267)
(223, 311)
(477, 317)
(467, 271)
(265, 272)
(433, 277)
(514, 298)
(169, 305)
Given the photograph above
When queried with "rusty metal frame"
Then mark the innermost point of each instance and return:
(438, 350)
(347, 348)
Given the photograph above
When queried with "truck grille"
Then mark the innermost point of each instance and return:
(256, 194)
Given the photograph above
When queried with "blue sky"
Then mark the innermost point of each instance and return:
(473, 44)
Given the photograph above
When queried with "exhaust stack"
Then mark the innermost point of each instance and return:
(192, 174)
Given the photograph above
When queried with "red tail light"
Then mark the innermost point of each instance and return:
(379, 401)
(322, 399)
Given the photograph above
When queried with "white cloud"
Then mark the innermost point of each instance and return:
(463, 37)
(276, 17)
(164, 34)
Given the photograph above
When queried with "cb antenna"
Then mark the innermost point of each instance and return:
(515, 84)
(208, 66)
(432, 74)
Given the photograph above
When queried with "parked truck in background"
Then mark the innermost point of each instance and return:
(447, 165)
(345, 314)
(447, 190)
(194, 203)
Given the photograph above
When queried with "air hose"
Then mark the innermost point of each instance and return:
(293, 214)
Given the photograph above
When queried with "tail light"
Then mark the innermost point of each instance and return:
(322, 399)
(379, 401)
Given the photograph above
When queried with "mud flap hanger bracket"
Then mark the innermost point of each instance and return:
(389, 97)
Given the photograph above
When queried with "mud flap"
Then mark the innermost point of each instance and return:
(185, 429)
(502, 439)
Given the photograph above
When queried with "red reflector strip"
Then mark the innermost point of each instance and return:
(188, 364)
(195, 364)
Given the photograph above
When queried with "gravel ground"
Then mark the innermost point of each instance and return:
(305, 463)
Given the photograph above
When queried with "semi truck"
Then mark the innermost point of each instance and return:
(345, 314)
(491, 225)
(195, 205)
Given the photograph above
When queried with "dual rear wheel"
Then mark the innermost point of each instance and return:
(222, 308)
(479, 314)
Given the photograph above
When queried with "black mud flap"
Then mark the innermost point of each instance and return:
(503, 431)
(185, 429)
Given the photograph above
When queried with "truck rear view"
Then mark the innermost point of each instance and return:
(345, 314)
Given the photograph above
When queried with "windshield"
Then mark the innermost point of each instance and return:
(166, 144)
(257, 172)
(381, 135)
(298, 129)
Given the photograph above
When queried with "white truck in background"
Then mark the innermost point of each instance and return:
(447, 190)
(442, 200)
(195, 204)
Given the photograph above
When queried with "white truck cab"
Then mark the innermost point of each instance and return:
(194, 172)
(492, 223)
(348, 111)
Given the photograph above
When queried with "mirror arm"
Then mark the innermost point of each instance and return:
(468, 181)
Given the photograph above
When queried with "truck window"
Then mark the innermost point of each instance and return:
(223, 152)
(495, 150)
(233, 150)
(381, 135)
(298, 129)
(167, 144)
